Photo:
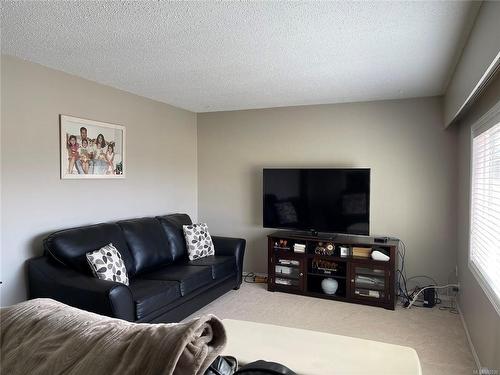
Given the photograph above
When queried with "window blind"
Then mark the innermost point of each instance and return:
(485, 208)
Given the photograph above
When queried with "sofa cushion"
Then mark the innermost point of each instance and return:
(198, 241)
(222, 266)
(69, 246)
(147, 243)
(189, 277)
(172, 225)
(107, 264)
(151, 295)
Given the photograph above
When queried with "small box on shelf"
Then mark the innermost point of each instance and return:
(369, 293)
(344, 251)
(286, 272)
(289, 262)
(361, 252)
(286, 282)
(299, 248)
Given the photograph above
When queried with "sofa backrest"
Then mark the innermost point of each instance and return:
(144, 243)
(70, 245)
(147, 242)
(172, 225)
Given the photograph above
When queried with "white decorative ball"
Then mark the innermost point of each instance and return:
(329, 286)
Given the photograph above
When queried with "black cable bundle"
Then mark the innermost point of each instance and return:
(402, 282)
(402, 286)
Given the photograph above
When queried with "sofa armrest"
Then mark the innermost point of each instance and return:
(231, 246)
(49, 280)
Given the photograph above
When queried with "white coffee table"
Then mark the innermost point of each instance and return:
(317, 353)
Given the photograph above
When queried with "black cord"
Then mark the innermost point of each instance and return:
(423, 277)
(402, 281)
(402, 292)
(436, 292)
(251, 278)
(250, 275)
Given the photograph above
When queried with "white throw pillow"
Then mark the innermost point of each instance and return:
(198, 241)
(107, 264)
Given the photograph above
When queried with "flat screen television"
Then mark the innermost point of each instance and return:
(320, 200)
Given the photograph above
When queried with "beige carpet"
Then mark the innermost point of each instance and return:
(437, 336)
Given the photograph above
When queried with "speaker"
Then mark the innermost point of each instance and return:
(430, 297)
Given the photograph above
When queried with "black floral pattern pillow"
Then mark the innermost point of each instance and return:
(107, 264)
(198, 241)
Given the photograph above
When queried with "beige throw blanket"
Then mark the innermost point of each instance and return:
(43, 336)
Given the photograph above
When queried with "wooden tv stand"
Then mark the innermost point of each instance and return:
(360, 278)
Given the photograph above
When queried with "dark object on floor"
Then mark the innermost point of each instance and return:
(253, 278)
(226, 365)
(223, 365)
(165, 286)
(430, 297)
(264, 368)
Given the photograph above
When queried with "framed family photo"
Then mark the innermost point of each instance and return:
(91, 149)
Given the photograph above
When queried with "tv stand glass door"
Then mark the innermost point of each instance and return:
(369, 283)
(288, 272)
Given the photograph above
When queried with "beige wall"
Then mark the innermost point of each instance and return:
(413, 191)
(161, 162)
(482, 321)
(413, 163)
(481, 49)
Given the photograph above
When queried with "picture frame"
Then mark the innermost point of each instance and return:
(91, 149)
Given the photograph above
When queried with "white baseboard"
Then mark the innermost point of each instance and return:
(469, 340)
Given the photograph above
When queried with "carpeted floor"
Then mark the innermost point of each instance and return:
(437, 336)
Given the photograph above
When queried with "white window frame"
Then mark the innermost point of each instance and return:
(487, 121)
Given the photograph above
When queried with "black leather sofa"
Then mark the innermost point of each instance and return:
(165, 286)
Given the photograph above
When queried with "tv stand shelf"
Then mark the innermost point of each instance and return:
(359, 278)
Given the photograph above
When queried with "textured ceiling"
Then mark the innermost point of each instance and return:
(211, 56)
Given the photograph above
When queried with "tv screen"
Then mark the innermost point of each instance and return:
(322, 200)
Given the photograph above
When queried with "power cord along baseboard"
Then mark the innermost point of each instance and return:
(253, 278)
(408, 298)
(429, 287)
